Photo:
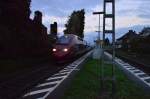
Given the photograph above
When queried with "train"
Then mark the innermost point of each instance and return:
(68, 47)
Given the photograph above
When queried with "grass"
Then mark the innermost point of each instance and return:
(87, 86)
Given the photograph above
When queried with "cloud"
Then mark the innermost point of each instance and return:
(138, 8)
(90, 23)
(130, 21)
(128, 12)
(51, 19)
(59, 10)
(62, 7)
(47, 20)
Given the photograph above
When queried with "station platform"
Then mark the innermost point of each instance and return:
(97, 53)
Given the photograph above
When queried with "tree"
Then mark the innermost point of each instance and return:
(75, 23)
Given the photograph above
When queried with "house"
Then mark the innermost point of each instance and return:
(145, 32)
(124, 41)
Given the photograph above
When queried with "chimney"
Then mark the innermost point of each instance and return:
(38, 17)
(53, 28)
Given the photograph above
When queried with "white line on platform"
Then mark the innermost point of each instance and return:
(66, 71)
(142, 73)
(145, 78)
(38, 91)
(52, 78)
(130, 68)
(136, 70)
(40, 98)
(48, 83)
(60, 74)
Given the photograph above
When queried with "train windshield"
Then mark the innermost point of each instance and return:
(64, 40)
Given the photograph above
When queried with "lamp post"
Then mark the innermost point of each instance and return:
(98, 13)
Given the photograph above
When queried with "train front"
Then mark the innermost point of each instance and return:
(62, 50)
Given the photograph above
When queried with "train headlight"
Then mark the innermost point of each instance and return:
(65, 50)
(54, 50)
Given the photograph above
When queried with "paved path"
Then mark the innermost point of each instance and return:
(97, 53)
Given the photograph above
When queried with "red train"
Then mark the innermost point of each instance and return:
(68, 47)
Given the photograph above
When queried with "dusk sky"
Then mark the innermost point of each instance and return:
(130, 14)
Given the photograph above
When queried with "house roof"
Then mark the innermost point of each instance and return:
(130, 35)
(145, 32)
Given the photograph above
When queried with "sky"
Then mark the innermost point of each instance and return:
(130, 14)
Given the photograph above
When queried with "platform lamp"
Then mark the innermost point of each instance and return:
(98, 13)
(100, 47)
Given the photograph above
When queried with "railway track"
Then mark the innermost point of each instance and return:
(54, 86)
(137, 75)
(135, 63)
(19, 83)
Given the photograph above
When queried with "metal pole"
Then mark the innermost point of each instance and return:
(99, 13)
(106, 15)
(99, 29)
(100, 60)
(104, 23)
(113, 67)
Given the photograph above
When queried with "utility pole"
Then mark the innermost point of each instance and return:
(100, 48)
(112, 32)
(99, 38)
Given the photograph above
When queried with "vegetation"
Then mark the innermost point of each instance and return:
(75, 24)
(87, 86)
(20, 36)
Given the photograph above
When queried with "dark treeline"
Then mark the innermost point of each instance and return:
(21, 37)
(75, 23)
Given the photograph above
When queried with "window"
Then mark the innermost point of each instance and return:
(64, 40)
